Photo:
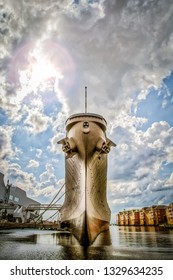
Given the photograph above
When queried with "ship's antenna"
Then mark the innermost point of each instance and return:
(85, 99)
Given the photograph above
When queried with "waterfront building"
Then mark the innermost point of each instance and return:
(159, 214)
(126, 218)
(14, 201)
(134, 217)
(14, 195)
(19, 197)
(142, 218)
(169, 214)
(154, 215)
(121, 218)
(149, 216)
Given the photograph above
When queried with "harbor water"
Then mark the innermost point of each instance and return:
(121, 243)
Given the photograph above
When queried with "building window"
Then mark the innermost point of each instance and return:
(16, 199)
(11, 197)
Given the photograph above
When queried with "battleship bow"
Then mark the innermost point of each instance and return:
(85, 211)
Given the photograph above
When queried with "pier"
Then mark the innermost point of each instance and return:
(34, 225)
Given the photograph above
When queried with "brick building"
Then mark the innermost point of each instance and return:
(169, 214)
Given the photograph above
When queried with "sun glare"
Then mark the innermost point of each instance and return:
(40, 67)
(40, 74)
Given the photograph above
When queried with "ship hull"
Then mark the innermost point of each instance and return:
(85, 211)
(85, 233)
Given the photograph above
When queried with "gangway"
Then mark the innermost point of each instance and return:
(32, 207)
(4, 206)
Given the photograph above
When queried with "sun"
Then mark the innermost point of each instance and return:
(40, 74)
(39, 68)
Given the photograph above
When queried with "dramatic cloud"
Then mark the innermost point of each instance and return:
(122, 51)
(137, 165)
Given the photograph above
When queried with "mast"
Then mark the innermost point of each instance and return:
(85, 100)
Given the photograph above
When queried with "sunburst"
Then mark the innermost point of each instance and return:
(40, 74)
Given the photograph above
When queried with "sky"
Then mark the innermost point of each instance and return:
(122, 50)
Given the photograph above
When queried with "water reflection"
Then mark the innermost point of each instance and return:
(145, 237)
(57, 238)
(117, 243)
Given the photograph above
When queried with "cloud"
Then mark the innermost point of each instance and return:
(111, 42)
(51, 191)
(47, 191)
(20, 178)
(36, 121)
(39, 153)
(135, 165)
(58, 127)
(33, 164)
(169, 181)
(48, 175)
(5, 142)
(43, 190)
(137, 148)
(54, 147)
(114, 62)
(90, 12)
